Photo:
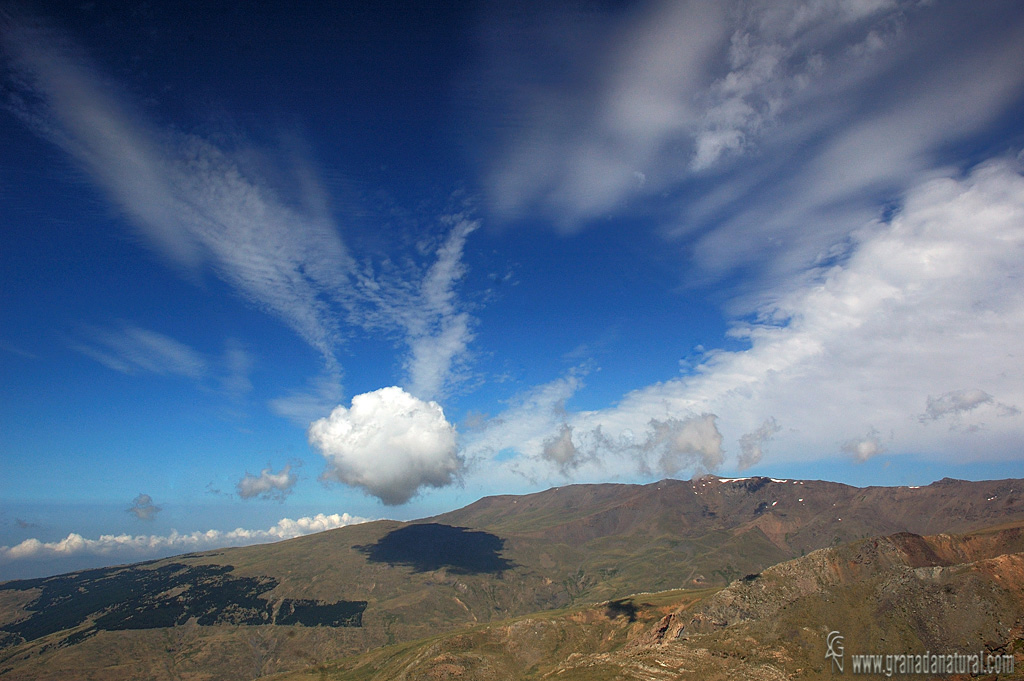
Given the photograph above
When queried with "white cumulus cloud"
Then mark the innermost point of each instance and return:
(389, 443)
(590, 445)
(928, 298)
(267, 484)
(955, 402)
(690, 443)
(864, 448)
(560, 450)
(752, 443)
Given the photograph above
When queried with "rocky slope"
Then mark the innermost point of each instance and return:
(898, 594)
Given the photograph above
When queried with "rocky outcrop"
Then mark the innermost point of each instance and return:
(941, 590)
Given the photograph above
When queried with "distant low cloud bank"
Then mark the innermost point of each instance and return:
(126, 547)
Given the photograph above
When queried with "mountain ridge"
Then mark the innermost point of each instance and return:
(500, 557)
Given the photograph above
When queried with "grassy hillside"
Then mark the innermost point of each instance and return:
(896, 594)
(533, 646)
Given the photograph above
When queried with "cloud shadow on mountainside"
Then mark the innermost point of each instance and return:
(431, 546)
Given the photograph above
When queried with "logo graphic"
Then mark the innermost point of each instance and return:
(835, 650)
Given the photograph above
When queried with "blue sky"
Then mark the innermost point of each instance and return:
(267, 272)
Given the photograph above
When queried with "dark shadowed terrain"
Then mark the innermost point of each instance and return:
(432, 546)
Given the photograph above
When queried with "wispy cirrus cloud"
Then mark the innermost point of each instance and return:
(128, 349)
(527, 424)
(191, 200)
(438, 331)
(419, 305)
(638, 102)
(200, 203)
(131, 349)
(304, 405)
(598, 127)
(423, 306)
(15, 350)
(238, 365)
(756, 135)
(856, 158)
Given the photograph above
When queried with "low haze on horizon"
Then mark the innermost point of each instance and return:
(268, 272)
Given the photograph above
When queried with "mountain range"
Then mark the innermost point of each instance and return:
(713, 575)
